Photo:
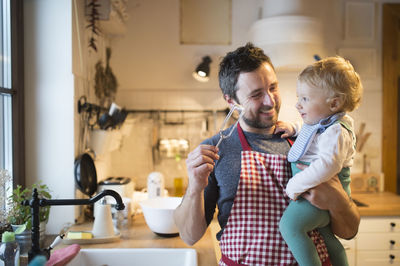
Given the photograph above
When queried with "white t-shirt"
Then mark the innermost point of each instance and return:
(328, 153)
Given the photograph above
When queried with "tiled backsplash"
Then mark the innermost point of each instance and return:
(136, 156)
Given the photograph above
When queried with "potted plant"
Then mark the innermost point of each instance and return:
(20, 215)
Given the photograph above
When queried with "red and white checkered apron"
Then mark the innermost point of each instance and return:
(251, 235)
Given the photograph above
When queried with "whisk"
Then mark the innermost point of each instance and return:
(236, 107)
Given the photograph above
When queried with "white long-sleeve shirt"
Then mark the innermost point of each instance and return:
(328, 153)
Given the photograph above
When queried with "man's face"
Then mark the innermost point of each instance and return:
(258, 93)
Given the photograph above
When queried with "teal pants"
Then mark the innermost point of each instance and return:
(301, 217)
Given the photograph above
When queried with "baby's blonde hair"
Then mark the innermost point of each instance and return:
(337, 76)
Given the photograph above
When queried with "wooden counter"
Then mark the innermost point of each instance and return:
(140, 236)
(379, 204)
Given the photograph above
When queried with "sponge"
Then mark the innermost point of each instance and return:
(79, 235)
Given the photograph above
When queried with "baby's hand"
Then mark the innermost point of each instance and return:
(287, 129)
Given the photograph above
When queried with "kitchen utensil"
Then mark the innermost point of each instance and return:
(159, 215)
(85, 174)
(235, 107)
(103, 225)
(84, 168)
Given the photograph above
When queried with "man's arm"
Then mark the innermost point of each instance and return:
(344, 214)
(190, 215)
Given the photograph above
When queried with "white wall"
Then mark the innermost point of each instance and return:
(49, 105)
(154, 71)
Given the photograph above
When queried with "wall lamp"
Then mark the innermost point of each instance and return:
(202, 71)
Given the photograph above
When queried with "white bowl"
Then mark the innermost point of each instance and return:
(159, 214)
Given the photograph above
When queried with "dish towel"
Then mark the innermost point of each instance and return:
(64, 255)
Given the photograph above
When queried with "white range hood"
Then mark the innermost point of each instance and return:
(290, 41)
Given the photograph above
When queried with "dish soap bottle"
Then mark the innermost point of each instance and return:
(9, 249)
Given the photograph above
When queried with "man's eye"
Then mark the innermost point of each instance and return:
(304, 99)
(258, 95)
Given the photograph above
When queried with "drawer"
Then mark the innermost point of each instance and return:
(378, 258)
(378, 241)
(379, 224)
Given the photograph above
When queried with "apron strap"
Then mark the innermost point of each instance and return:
(242, 138)
(245, 144)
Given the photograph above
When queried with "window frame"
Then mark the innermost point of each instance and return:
(17, 92)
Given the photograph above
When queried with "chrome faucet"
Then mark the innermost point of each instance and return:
(35, 203)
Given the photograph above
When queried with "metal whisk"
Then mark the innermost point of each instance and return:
(235, 107)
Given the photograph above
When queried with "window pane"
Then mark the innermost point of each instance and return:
(5, 45)
(6, 133)
(6, 139)
(6, 163)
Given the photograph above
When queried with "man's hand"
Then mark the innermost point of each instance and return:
(190, 215)
(200, 163)
(331, 196)
(287, 129)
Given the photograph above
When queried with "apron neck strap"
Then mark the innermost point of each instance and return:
(245, 144)
(242, 138)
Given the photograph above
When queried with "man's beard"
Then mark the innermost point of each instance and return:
(258, 123)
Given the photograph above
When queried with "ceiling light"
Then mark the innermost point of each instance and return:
(202, 71)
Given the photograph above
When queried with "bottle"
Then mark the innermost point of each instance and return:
(155, 185)
(9, 249)
(178, 180)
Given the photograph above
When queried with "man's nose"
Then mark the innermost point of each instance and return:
(268, 99)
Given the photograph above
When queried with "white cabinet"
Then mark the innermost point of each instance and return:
(376, 244)
(350, 248)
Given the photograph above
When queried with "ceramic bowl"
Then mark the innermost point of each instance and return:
(159, 215)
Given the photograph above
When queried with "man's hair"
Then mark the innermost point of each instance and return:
(244, 59)
(337, 76)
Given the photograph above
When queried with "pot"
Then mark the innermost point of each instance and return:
(24, 239)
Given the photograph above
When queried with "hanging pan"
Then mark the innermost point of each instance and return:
(85, 170)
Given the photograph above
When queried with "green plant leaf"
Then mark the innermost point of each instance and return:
(21, 229)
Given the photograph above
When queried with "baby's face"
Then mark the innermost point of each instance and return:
(312, 103)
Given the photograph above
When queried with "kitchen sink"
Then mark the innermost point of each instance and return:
(135, 256)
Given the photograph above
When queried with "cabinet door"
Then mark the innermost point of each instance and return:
(379, 224)
(378, 258)
(378, 241)
(350, 248)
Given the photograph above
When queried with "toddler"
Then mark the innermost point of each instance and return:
(326, 91)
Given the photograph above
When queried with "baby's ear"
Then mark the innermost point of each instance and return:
(335, 104)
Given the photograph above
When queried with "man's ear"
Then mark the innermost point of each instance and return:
(335, 104)
(229, 100)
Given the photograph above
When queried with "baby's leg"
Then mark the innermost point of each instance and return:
(299, 218)
(336, 251)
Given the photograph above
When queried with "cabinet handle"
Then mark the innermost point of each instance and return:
(392, 257)
(392, 242)
(392, 224)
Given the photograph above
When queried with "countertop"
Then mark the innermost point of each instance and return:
(379, 203)
(138, 235)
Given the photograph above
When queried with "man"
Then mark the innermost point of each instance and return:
(246, 176)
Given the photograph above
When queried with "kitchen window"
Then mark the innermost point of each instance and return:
(12, 159)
